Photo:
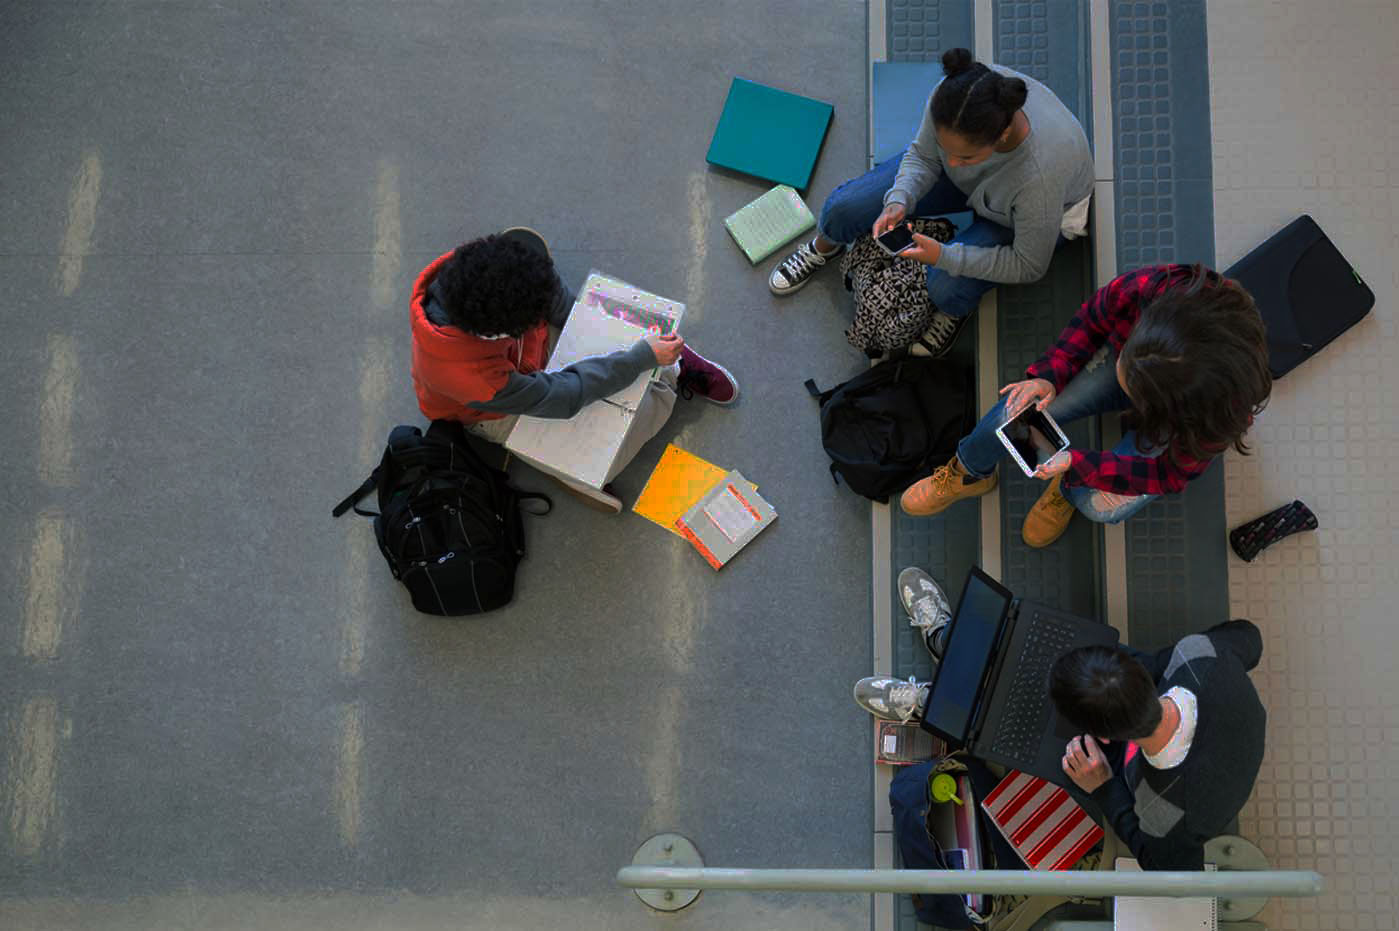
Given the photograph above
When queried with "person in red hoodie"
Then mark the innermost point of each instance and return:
(481, 316)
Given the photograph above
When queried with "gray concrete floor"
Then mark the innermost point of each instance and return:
(218, 710)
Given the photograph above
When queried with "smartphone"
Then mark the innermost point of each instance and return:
(1032, 437)
(896, 240)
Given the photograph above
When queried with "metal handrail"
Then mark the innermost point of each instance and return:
(1088, 884)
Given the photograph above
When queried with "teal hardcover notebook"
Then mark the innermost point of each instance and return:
(770, 133)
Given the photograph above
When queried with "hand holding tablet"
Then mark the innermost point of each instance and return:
(1031, 437)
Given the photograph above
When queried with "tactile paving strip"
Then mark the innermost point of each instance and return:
(946, 545)
(1051, 49)
(921, 30)
(1029, 317)
(1176, 548)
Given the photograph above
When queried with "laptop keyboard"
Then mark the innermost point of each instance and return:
(1027, 707)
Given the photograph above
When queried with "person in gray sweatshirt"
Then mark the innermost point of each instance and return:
(992, 141)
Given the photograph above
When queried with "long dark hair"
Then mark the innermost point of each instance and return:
(1104, 692)
(974, 101)
(1196, 368)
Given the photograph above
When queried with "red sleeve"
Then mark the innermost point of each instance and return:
(1113, 308)
(1131, 475)
(1087, 331)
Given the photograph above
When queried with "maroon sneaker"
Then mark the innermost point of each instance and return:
(700, 376)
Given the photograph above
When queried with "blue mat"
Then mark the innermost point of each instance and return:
(1067, 574)
(1177, 569)
(918, 31)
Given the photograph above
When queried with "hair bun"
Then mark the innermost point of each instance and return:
(1010, 93)
(956, 60)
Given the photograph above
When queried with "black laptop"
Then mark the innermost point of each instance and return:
(990, 693)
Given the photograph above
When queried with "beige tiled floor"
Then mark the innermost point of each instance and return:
(1305, 111)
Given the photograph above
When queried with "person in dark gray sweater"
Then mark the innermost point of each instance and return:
(1181, 734)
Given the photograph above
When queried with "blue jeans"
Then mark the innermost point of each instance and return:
(1091, 391)
(853, 207)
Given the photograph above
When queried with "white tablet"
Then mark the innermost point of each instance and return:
(1032, 437)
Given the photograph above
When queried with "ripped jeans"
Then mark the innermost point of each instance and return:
(1094, 390)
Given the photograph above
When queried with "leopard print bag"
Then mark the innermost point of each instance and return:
(892, 309)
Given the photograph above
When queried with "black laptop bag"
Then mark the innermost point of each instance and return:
(1306, 291)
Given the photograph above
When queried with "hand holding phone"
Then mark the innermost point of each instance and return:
(899, 239)
(892, 216)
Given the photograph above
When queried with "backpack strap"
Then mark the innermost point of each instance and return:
(352, 499)
(534, 496)
(821, 396)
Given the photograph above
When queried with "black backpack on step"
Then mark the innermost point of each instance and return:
(449, 525)
(888, 427)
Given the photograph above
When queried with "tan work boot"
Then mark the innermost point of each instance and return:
(949, 484)
(1049, 517)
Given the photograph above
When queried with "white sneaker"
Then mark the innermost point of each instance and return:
(892, 699)
(797, 269)
(927, 607)
(939, 337)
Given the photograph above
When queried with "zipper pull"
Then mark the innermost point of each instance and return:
(445, 558)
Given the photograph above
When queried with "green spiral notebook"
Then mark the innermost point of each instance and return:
(767, 224)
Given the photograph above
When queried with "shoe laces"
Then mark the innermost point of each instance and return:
(690, 382)
(1058, 503)
(926, 614)
(942, 478)
(905, 698)
(801, 263)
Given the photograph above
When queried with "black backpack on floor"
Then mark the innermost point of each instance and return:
(888, 427)
(449, 525)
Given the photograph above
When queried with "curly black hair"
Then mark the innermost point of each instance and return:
(494, 286)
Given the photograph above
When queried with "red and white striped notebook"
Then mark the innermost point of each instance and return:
(1041, 821)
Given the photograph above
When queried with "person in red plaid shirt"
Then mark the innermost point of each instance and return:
(1179, 348)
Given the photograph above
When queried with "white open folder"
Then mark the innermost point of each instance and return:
(608, 315)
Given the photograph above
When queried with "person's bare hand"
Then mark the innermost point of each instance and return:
(892, 216)
(1054, 465)
(665, 348)
(1036, 391)
(1085, 764)
(925, 249)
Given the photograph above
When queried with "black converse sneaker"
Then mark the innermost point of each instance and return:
(798, 268)
(939, 337)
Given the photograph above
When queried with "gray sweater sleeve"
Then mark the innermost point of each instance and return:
(562, 394)
(1036, 216)
(921, 166)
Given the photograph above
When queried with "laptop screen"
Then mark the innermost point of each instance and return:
(970, 639)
